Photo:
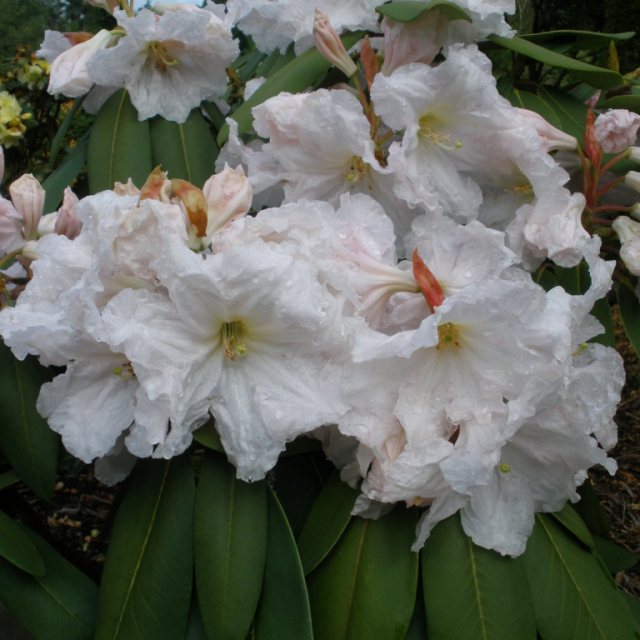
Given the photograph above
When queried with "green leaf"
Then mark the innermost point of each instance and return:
(572, 596)
(470, 592)
(186, 150)
(571, 521)
(571, 112)
(16, 547)
(410, 11)
(59, 605)
(26, 440)
(298, 481)
(119, 145)
(284, 607)
(630, 102)
(630, 314)
(58, 139)
(195, 627)
(596, 76)
(591, 511)
(577, 40)
(146, 584)
(301, 73)
(208, 437)
(615, 557)
(230, 544)
(366, 587)
(326, 522)
(64, 175)
(418, 627)
(602, 311)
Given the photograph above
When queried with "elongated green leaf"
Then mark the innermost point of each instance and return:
(186, 150)
(571, 521)
(572, 596)
(326, 522)
(596, 76)
(571, 112)
(64, 175)
(470, 592)
(409, 11)
(418, 627)
(230, 545)
(301, 73)
(17, 547)
(284, 607)
(591, 511)
(615, 557)
(630, 102)
(577, 40)
(119, 145)
(366, 587)
(630, 313)
(56, 143)
(26, 440)
(146, 584)
(60, 605)
(195, 627)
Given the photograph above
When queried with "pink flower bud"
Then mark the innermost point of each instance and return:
(10, 227)
(616, 130)
(417, 41)
(328, 43)
(67, 222)
(228, 195)
(28, 198)
(553, 138)
(69, 74)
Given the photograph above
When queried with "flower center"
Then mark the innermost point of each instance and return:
(160, 56)
(356, 170)
(232, 334)
(429, 125)
(448, 335)
(125, 372)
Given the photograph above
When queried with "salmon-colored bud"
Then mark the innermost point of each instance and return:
(370, 62)
(328, 43)
(429, 285)
(592, 148)
(77, 37)
(156, 186)
(28, 198)
(194, 204)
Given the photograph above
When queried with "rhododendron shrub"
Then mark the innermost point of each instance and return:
(326, 329)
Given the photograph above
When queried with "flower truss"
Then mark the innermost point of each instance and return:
(385, 294)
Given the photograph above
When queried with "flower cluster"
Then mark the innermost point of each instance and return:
(383, 302)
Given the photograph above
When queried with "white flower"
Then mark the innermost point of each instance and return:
(168, 63)
(247, 334)
(274, 24)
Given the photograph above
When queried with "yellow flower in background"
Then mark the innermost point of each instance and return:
(34, 73)
(11, 119)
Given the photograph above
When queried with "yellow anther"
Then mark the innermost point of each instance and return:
(232, 333)
(356, 170)
(429, 125)
(448, 335)
(159, 55)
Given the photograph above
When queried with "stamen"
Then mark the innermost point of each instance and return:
(125, 372)
(429, 125)
(231, 333)
(357, 170)
(159, 55)
(448, 335)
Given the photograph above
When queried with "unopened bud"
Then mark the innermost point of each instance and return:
(626, 228)
(554, 139)
(30, 250)
(635, 211)
(632, 179)
(156, 187)
(616, 130)
(429, 285)
(228, 195)
(28, 198)
(194, 204)
(67, 222)
(328, 43)
(634, 154)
